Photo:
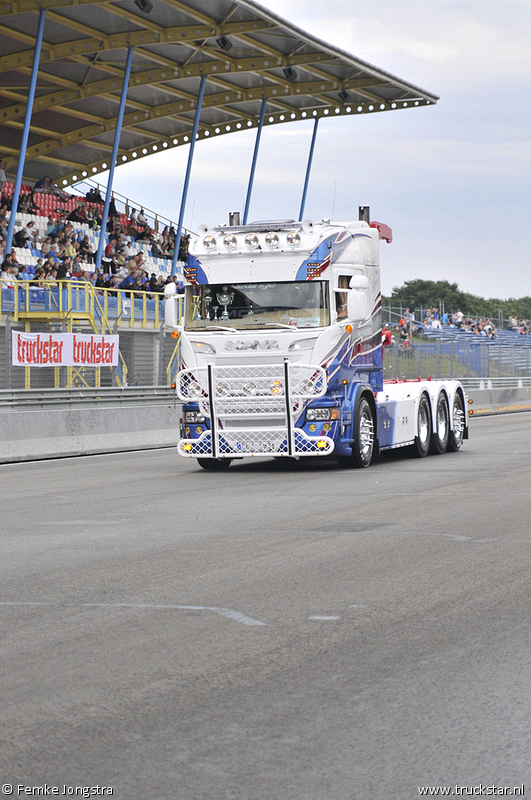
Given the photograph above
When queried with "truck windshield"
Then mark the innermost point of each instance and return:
(248, 306)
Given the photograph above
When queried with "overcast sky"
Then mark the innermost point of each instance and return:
(452, 180)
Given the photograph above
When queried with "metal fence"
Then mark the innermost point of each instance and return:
(461, 357)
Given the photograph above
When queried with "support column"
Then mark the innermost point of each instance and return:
(308, 168)
(253, 165)
(187, 176)
(119, 121)
(25, 131)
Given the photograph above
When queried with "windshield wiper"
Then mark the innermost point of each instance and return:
(222, 328)
(281, 325)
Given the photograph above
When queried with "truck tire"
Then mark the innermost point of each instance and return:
(455, 439)
(363, 445)
(422, 444)
(441, 427)
(216, 464)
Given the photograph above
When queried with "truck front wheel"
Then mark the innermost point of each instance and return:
(423, 438)
(217, 464)
(363, 445)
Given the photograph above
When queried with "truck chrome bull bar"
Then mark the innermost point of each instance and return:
(252, 409)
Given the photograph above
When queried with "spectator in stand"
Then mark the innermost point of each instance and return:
(40, 276)
(183, 256)
(79, 214)
(129, 250)
(26, 204)
(128, 281)
(93, 218)
(93, 196)
(144, 235)
(138, 286)
(70, 248)
(512, 323)
(8, 277)
(3, 176)
(141, 219)
(84, 250)
(5, 202)
(45, 247)
(26, 235)
(45, 186)
(64, 269)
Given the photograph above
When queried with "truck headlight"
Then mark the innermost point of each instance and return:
(192, 417)
(209, 242)
(272, 240)
(194, 389)
(223, 389)
(276, 387)
(321, 414)
(293, 238)
(251, 240)
(249, 388)
(230, 241)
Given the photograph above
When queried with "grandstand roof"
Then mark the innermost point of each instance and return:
(246, 53)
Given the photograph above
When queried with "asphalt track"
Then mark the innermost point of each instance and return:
(275, 632)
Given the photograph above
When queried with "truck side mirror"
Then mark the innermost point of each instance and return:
(171, 306)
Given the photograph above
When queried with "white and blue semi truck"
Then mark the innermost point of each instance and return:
(281, 350)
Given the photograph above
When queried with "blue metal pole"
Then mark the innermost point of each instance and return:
(187, 177)
(308, 168)
(119, 121)
(253, 165)
(25, 132)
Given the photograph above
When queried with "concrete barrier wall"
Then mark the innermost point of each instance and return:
(499, 401)
(32, 435)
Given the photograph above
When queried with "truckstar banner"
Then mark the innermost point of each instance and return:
(64, 350)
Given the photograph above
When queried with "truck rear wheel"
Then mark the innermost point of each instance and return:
(423, 438)
(441, 431)
(455, 439)
(217, 464)
(363, 445)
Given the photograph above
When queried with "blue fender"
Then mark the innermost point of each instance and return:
(354, 393)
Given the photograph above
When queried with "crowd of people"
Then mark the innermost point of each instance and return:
(66, 251)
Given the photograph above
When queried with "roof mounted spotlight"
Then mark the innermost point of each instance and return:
(290, 73)
(144, 5)
(224, 43)
(344, 96)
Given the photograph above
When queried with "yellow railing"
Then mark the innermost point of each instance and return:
(55, 300)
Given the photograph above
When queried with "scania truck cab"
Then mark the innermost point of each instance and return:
(281, 350)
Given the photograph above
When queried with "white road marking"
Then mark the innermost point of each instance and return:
(324, 617)
(237, 616)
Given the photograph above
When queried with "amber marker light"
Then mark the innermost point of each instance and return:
(349, 328)
(175, 334)
(322, 445)
(187, 446)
